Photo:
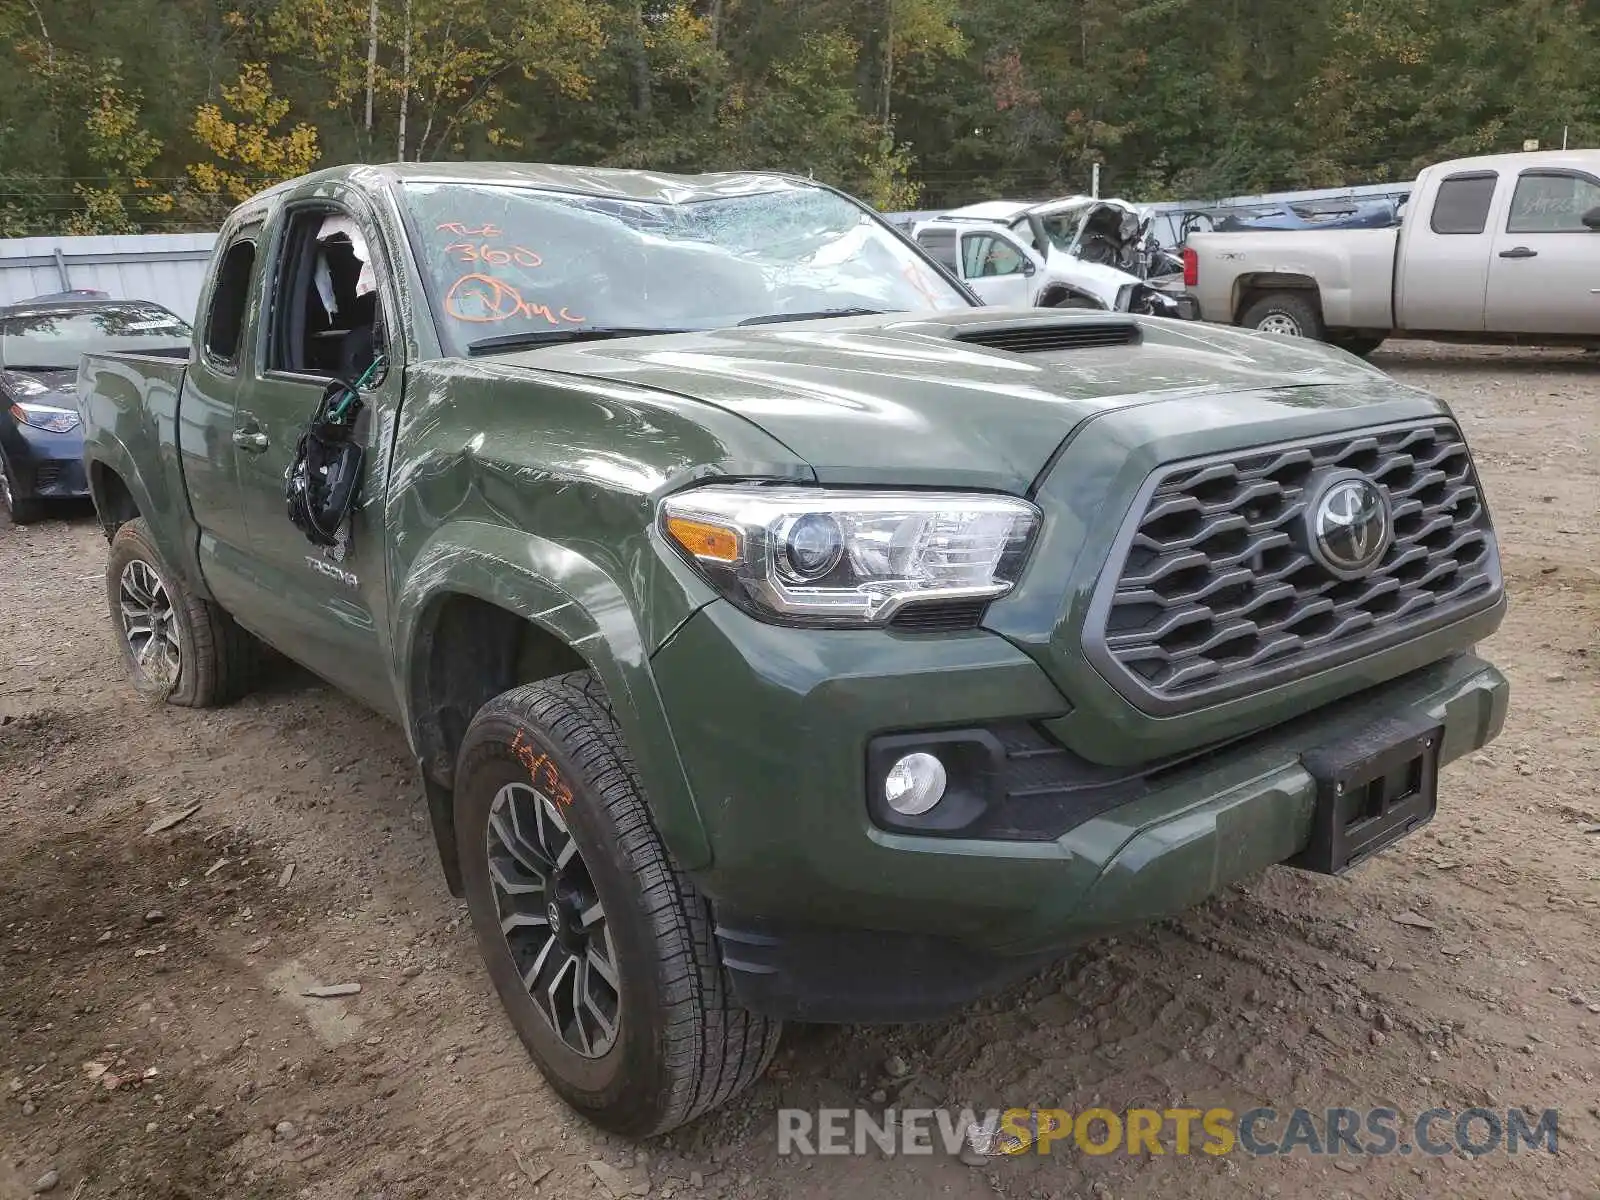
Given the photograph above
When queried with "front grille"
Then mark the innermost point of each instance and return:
(46, 475)
(1218, 594)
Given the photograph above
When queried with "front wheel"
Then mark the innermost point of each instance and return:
(1288, 314)
(177, 646)
(19, 510)
(600, 948)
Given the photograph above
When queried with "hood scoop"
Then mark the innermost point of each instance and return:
(1042, 338)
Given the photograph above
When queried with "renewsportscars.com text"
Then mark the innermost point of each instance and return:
(1259, 1132)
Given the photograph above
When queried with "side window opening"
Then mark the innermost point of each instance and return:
(229, 296)
(987, 255)
(1552, 202)
(1462, 203)
(326, 320)
(974, 248)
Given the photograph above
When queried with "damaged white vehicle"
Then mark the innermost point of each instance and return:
(1075, 252)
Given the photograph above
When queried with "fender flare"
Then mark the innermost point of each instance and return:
(577, 602)
(172, 523)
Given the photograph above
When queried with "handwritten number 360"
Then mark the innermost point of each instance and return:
(494, 256)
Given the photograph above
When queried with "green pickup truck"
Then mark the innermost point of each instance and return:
(780, 633)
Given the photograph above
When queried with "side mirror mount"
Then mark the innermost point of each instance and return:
(1027, 267)
(1591, 219)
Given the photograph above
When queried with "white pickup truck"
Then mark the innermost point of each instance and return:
(1503, 248)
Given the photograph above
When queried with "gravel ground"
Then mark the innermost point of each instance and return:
(154, 1040)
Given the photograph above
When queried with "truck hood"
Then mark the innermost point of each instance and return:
(909, 400)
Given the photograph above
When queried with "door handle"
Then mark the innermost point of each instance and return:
(1519, 252)
(249, 438)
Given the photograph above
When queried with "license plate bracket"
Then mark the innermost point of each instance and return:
(1372, 790)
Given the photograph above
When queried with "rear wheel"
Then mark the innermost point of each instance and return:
(177, 646)
(600, 948)
(20, 510)
(1288, 314)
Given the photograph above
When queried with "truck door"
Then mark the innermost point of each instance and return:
(209, 434)
(997, 268)
(327, 316)
(1445, 248)
(1544, 276)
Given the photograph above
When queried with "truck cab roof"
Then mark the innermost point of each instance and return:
(1522, 160)
(614, 182)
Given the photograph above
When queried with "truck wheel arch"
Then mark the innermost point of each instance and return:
(489, 629)
(113, 500)
(1249, 288)
(1059, 295)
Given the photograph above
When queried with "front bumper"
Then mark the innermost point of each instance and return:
(825, 916)
(44, 464)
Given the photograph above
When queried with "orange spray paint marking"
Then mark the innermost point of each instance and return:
(487, 300)
(495, 256)
(456, 227)
(542, 771)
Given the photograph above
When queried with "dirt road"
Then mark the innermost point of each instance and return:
(154, 1040)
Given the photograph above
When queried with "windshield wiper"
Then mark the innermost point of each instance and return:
(820, 314)
(554, 337)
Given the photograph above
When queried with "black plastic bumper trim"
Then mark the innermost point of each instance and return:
(855, 976)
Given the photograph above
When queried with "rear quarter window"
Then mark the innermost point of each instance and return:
(1462, 203)
(940, 245)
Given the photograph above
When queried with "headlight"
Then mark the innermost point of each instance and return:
(43, 416)
(822, 556)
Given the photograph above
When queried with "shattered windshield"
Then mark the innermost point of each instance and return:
(512, 260)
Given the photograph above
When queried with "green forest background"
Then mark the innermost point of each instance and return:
(124, 115)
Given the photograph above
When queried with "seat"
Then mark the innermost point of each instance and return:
(358, 349)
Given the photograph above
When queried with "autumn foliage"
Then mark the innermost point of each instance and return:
(159, 114)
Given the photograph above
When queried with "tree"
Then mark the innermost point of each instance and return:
(105, 108)
(252, 152)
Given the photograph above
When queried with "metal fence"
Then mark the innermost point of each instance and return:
(168, 268)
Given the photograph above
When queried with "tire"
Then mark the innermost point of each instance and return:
(678, 1045)
(1359, 346)
(20, 510)
(1290, 314)
(195, 655)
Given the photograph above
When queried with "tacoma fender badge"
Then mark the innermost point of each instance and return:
(323, 567)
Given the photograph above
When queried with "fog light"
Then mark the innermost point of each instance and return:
(914, 784)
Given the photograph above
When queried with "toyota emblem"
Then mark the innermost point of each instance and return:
(1349, 524)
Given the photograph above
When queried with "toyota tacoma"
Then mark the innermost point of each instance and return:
(779, 632)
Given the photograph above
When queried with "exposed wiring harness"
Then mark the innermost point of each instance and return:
(320, 484)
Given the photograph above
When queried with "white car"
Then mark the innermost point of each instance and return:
(1076, 252)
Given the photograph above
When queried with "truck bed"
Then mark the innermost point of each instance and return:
(1352, 268)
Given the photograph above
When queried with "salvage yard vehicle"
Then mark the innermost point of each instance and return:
(1076, 252)
(1503, 248)
(762, 662)
(41, 343)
